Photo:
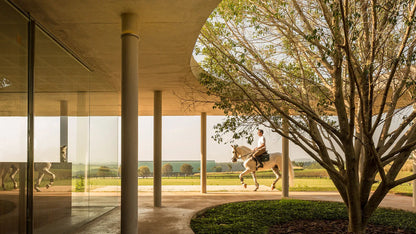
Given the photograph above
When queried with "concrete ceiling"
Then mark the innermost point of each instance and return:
(91, 29)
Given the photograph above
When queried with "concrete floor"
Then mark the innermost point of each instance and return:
(179, 207)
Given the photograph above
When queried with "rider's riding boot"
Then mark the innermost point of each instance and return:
(260, 164)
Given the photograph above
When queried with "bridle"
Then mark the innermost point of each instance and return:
(237, 156)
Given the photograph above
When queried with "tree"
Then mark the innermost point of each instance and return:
(217, 169)
(186, 169)
(104, 171)
(143, 171)
(340, 72)
(167, 169)
(230, 167)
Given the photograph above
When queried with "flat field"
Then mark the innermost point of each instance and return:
(305, 180)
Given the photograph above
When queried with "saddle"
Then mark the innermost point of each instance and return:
(265, 157)
(262, 158)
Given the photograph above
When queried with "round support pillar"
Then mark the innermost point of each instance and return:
(203, 152)
(157, 149)
(414, 181)
(129, 123)
(64, 123)
(285, 158)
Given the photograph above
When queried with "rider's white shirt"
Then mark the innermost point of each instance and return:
(261, 141)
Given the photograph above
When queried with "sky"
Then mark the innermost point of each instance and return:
(99, 138)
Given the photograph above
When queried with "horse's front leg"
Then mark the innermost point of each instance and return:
(3, 175)
(40, 177)
(242, 179)
(15, 171)
(275, 170)
(253, 174)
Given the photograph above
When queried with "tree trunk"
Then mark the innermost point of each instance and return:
(355, 224)
(355, 213)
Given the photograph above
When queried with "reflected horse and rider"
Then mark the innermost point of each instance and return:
(43, 168)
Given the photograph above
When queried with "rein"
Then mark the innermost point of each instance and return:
(245, 155)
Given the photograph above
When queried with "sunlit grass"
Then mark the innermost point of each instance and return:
(305, 180)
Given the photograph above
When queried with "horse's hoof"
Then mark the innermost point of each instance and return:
(245, 185)
(272, 188)
(255, 189)
(37, 190)
(47, 186)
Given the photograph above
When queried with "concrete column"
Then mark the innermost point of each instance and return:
(414, 181)
(157, 149)
(286, 160)
(129, 123)
(203, 152)
(64, 126)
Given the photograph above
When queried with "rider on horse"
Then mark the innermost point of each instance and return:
(261, 147)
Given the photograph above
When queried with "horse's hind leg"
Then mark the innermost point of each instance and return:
(253, 174)
(46, 170)
(276, 171)
(12, 175)
(242, 179)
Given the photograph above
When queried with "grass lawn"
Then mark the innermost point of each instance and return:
(259, 216)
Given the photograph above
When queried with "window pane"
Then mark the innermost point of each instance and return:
(13, 118)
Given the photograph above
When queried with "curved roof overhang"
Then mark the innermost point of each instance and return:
(91, 29)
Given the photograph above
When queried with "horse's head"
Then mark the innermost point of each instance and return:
(64, 150)
(235, 153)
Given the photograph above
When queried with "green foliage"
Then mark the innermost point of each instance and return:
(217, 169)
(258, 216)
(313, 165)
(143, 171)
(230, 167)
(80, 184)
(186, 169)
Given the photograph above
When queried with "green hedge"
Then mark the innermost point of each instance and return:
(258, 216)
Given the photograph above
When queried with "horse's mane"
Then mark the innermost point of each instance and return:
(244, 149)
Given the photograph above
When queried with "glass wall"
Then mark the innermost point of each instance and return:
(13, 118)
(61, 90)
(76, 166)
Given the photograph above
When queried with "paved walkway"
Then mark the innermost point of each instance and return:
(186, 188)
(179, 207)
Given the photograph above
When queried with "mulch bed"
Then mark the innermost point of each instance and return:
(329, 226)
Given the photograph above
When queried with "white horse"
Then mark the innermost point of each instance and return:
(6, 168)
(275, 163)
(44, 168)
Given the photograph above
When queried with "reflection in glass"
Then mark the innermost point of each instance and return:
(13, 120)
(76, 167)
